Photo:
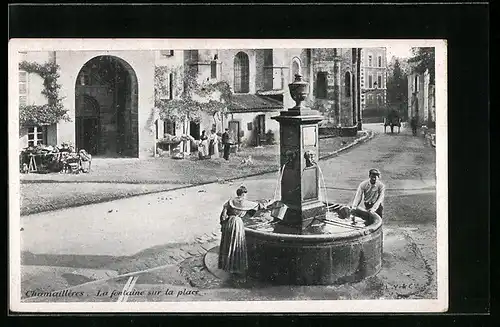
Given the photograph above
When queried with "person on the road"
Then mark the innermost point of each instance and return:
(413, 124)
(203, 146)
(226, 142)
(213, 144)
(233, 247)
(371, 192)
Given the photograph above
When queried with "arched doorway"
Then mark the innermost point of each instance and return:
(106, 108)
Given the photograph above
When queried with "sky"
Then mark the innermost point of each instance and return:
(401, 51)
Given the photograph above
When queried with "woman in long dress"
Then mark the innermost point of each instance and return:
(213, 144)
(203, 146)
(233, 247)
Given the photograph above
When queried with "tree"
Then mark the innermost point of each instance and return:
(397, 86)
(424, 59)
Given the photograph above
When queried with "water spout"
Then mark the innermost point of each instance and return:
(324, 190)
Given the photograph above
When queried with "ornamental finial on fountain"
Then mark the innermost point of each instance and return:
(298, 91)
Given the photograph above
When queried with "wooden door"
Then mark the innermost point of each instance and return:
(234, 129)
(80, 137)
(261, 130)
(91, 135)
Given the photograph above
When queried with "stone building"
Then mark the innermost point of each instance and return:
(259, 82)
(110, 95)
(373, 78)
(335, 85)
(422, 98)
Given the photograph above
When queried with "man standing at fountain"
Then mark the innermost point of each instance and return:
(371, 192)
(226, 142)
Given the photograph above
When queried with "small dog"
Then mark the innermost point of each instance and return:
(248, 160)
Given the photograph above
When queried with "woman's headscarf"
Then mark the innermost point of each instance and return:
(240, 202)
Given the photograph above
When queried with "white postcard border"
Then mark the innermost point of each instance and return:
(372, 306)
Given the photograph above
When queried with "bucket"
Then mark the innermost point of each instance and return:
(278, 210)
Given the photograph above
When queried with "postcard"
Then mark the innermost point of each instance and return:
(228, 175)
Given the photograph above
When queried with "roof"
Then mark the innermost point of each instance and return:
(253, 102)
(270, 92)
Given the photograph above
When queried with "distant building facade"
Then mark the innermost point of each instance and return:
(373, 83)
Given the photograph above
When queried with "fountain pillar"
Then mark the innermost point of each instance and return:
(299, 151)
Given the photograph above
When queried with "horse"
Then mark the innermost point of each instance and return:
(392, 121)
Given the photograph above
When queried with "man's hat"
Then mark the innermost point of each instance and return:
(374, 171)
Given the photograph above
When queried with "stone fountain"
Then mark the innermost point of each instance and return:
(310, 244)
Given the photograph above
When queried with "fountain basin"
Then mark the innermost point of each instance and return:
(340, 256)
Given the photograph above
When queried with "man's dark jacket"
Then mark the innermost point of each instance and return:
(225, 138)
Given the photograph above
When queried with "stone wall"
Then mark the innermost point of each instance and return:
(259, 68)
(432, 106)
(338, 105)
(338, 131)
(346, 98)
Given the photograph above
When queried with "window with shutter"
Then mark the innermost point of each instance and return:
(169, 127)
(347, 84)
(213, 69)
(241, 73)
(321, 85)
(37, 135)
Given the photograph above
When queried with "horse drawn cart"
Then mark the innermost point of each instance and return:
(392, 120)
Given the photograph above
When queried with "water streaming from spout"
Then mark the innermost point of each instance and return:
(325, 194)
(278, 184)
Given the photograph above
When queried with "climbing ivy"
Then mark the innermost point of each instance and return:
(53, 111)
(194, 99)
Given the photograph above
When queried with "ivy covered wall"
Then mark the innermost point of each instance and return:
(48, 113)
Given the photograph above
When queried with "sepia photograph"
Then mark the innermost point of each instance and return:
(216, 175)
